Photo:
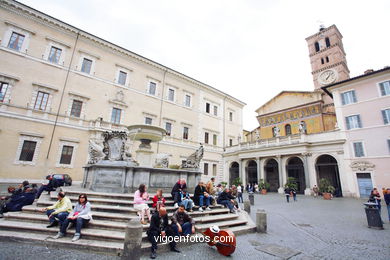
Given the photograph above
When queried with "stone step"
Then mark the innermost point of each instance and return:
(22, 216)
(118, 196)
(108, 201)
(222, 224)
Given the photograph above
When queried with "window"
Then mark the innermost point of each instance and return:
(76, 108)
(28, 150)
(215, 110)
(230, 142)
(388, 144)
(230, 116)
(206, 138)
(348, 97)
(187, 100)
(86, 66)
(206, 169)
(168, 128)
(66, 155)
(327, 42)
(3, 90)
(322, 60)
(317, 46)
(353, 122)
(288, 129)
(358, 149)
(122, 78)
(185, 133)
(215, 139)
(148, 121)
(116, 115)
(385, 88)
(152, 88)
(41, 101)
(327, 59)
(171, 94)
(207, 107)
(214, 170)
(386, 116)
(16, 41)
(55, 54)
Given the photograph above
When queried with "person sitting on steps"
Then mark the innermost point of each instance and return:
(17, 201)
(186, 201)
(80, 215)
(159, 228)
(158, 200)
(59, 211)
(227, 199)
(182, 223)
(141, 198)
(51, 186)
(179, 186)
(201, 196)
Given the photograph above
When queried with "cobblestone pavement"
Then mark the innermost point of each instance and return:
(310, 228)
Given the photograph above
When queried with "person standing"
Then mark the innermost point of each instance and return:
(239, 194)
(387, 200)
(375, 197)
(80, 216)
(59, 211)
(287, 192)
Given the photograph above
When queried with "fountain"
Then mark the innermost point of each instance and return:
(111, 167)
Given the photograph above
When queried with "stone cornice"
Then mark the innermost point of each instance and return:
(331, 66)
(328, 48)
(323, 31)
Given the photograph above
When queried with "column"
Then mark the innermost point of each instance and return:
(307, 169)
(260, 170)
(242, 172)
(281, 172)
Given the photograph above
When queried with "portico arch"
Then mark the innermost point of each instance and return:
(327, 168)
(234, 172)
(272, 174)
(251, 172)
(295, 169)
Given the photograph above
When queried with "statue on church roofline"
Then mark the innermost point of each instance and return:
(302, 127)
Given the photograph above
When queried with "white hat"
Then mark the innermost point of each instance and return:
(214, 229)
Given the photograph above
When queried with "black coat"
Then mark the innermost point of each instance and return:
(225, 196)
(199, 190)
(156, 225)
(178, 187)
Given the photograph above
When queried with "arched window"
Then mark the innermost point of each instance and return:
(287, 128)
(317, 46)
(327, 59)
(322, 60)
(327, 42)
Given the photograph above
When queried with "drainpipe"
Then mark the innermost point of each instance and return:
(62, 97)
(161, 106)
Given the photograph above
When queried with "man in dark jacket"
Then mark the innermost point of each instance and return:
(227, 199)
(51, 186)
(159, 227)
(182, 223)
(176, 190)
(17, 201)
(387, 200)
(201, 197)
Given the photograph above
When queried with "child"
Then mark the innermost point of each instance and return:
(186, 201)
(158, 200)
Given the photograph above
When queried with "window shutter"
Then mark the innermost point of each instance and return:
(359, 121)
(382, 87)
(384, 115)
(348, 123)
(354, 96)
(343, 99)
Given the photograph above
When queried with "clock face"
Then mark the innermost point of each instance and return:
(327, 77)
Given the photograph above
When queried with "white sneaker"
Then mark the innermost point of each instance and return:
(75, 237)
(59, 235)
(175, 206)
(208, 208)
(200, 209)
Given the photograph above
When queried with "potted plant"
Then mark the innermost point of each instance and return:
(291, 183)
(263, 186)
(326, 189)
(237, 181)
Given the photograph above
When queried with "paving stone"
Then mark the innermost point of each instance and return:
(279, 251)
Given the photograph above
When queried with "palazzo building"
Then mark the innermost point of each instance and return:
(61, 86)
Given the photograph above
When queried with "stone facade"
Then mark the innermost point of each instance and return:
(63, 86)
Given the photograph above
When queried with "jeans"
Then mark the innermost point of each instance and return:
(206, 199)
(42, 189)
(176, 196)
(240, 197)
(186, 229)
(60, 217)
(80, 223)
(188, 204)
(226, 203)
(388, 210)
(288, 197)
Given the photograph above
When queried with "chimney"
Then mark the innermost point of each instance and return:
(369, 71)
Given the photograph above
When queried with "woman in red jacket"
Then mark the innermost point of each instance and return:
(158, 200)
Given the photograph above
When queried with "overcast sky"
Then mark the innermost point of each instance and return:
(251, 50)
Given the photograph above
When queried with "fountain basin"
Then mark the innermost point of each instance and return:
(146, 132)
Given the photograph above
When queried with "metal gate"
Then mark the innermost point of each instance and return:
(365, 184)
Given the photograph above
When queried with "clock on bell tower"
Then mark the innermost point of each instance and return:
(327, 57)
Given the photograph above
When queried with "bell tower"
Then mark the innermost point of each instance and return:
(327, 57)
